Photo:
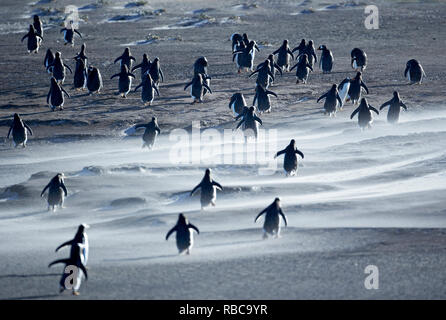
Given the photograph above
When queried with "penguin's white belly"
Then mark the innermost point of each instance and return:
(233, 109)
(344, 91)
(355, 65)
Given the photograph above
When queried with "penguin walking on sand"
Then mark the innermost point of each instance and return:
(290, 160)
(68, 34)
(395, 104)
(81, 55)
(326, 60)
(273, 67)
(343, 89)
(265, 76)
(55, 98)
(94, 80)
(262, 99)
(331, 100)
(56, 191)
(155, 71)
(126, 58)
(49, 59)
(80, 75)
(303, 69)
(245, 55)
(57, 68)
(79, 238)
(201, 66)
(300, 48)
(355, 89)
(198, 84)
(284, 53)
(250, 123)
(151, 131)
(125, 81)
(19, 131)
(208, 188)
(414, 71)
(364, 111)
(272, 219)
(38, 26)
(237, 103)
(144, 65)
(34, 40)
(359, 59)
(311, 53)
(184, 236)
(148, 90)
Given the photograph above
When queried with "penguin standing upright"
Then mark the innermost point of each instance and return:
(331, 100)
(273, 67)
(245, 55)
(290, 160)
(208, 188)
(69, 32)
(300, 48)
(55, 98)
(125, 80)
(262, 99)
(359, 59)
(283, 58)
(395, 104)
(303, 69)
(201, 66)
(79, 238)
(414, 71)
(80, 75)
(49, 59)
(144, 65)
(356, 85)
(151, 131)
(326, 60)
(148, 90)
(364, 111)
(34, 40)
(38, 26)
(56, 190)
(311, 54)
(184, 236)
(272, 219)
(57, 68)
(19, 131)
(198, 84)
(250, 122)
(155, 71)
(126, 58)
(237, 103)
(81, 55)
(265, 76)
(94, 80)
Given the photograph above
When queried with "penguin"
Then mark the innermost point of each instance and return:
(237, 103)
(19, 131)
(311, 54)
(57, 68)
(283, 58)
(208, 188)
(272, 219)
(49, 59)
(94, 80)
(326, 60)
(236, 38)
(246, 40)
(55, 98)
(249, 121)
(273, 67)
(80, 75)
(303, 69)
(395, 104)
(290, 160)
(151, 131)
(56, 190)
(148, 90)
(414, 71)
(34, 40)
(155, 71)
(343, 88)
(201, 66)
(331, 100)
(198, 85)
(265, 76)
(38, 26)
(81, 55)
(356, 85)
(184, 236)
(144, 65)
(68, 34)
(79, 238)
(125, 80)
(365, 117)
(359, 59)
(300, 48)
(126, 58)
(244, 56)
(75, 260)
(262, 99)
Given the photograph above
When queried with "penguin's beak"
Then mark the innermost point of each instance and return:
(86, 226)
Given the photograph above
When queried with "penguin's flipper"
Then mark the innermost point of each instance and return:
(284, 217)
(156, 90)
(364, 86)
(271, 93)
(258, 120)
(66, 261)
(215, 183)
(260, 214)
(170, 232)
(9, 132)
(280, 153)
(25, 36)
(138, 86)
(195, 189)
(66, 66)
(48, 97)
(190, 225)
(402, 105)
(62, 185)
(406, 70)
(276, 66)
(339, 99)
(78, 33)
(29, 129)
(207, 87)
(354, 112)
(294, 67)
(322, 97)
(117, 59)
(44, 189)
(84, 270)
(70, 242)
(187, 85)
(299, 153)
(240, 123)
(373, 109)
(385, 104)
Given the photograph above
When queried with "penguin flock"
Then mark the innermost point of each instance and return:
(87, 76)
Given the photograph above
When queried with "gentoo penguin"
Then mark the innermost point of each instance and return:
(272, 219)
(69, 32)
(125, 80)
(331, 100)
(311, 54)
(184, 236)
(56, 190)
(94, 80)
(300, 48)
(80, 75)
(55, 98)
(236, 38)
(237, 103)
(144, 65)
(262, 99)
(365, 117)
(343, 88)
(75, 259)
(149, 88)
(250, 123)
(414, 71)
(49, 59)
(354, 92)
(265, 76)
(303, 69)
(273, 67)
(57, 68)
(155, 71)
(290, 160)
(326, 60)
(197, 89)
(246, 40)
(37, 24)
(126, 58)
(19, 134)
(201, 66)
(359, 59)
(395, 104)
(283, 58)
(208, 188)
(79, 238)
(81, 55)
(34, 40)
(245, 55)
(151, 131)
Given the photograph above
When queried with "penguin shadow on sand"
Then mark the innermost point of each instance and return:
(164, 256)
